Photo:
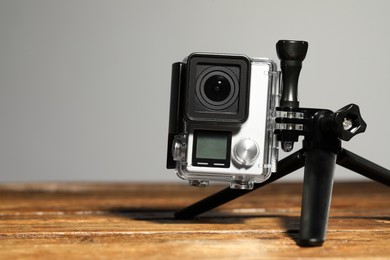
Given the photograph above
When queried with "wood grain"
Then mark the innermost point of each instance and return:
(135, 220)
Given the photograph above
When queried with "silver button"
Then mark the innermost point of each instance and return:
(245, 152)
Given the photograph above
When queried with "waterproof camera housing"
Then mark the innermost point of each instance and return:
(221, 123)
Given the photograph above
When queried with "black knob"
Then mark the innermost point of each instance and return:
(348, 122)
(291, 54)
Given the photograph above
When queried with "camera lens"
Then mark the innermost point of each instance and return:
(217, 88)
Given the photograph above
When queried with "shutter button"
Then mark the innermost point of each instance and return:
(245, 152)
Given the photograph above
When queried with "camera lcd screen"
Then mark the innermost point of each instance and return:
(212, 148)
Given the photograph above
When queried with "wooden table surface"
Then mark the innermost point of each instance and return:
(135, 221)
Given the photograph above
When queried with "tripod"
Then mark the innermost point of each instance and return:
(321, 150)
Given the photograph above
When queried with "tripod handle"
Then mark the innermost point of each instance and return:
(317, 192)
(291, 54)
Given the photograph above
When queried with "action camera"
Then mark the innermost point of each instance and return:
(221, 122)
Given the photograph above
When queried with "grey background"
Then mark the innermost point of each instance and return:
(84, 85)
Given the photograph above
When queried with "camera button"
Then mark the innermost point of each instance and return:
(178, 148)
(245, 152)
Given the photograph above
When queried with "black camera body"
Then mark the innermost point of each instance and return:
(221, 124)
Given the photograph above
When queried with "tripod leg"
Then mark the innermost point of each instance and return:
(317, 192)
(364, 167)
(285, 166)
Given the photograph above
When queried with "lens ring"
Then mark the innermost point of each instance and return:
(211, 76)
(225, 74)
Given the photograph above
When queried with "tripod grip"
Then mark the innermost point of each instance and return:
(317, 192)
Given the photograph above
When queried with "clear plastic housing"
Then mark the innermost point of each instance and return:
(258, 129)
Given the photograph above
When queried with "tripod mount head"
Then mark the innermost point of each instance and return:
(294, 121)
